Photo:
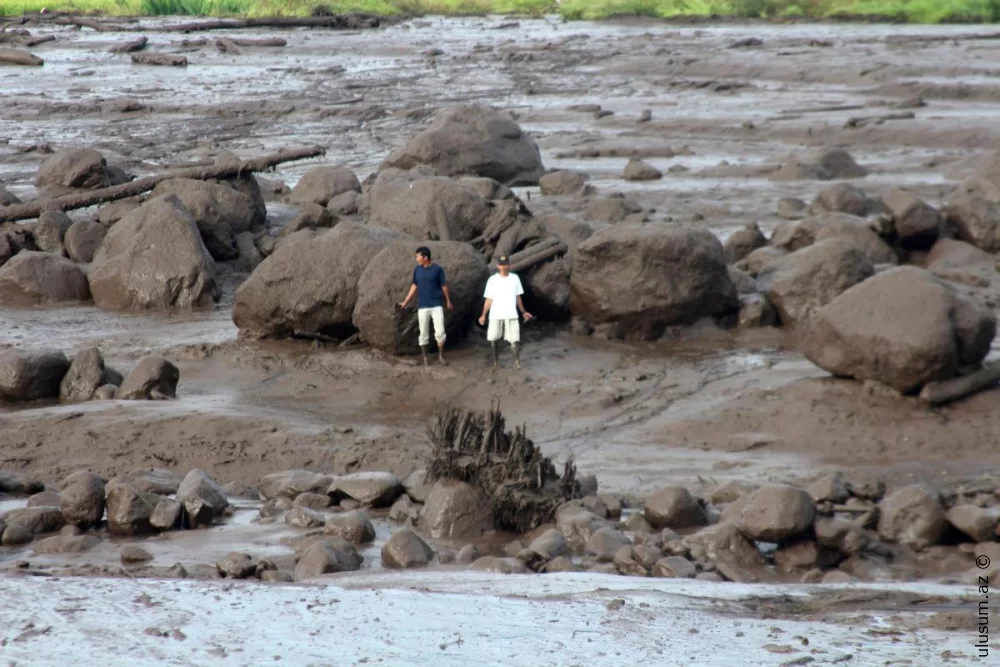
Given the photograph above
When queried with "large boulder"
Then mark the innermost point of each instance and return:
(50, 230)
(321, 184)
(578, 524)
(795, 234)
(455, 510)
(292, 483)
(245, 183)
(744, 241)
(82, 240)
(310, 283)
(638, 170)
(84, 376)
(953, 254)
(82, 168)
(351, 526)
(30, 376)
(917, 224)
(30, 521)
(913, 516)
(777, 513)
(405, 549)
(432, 209)
(386, 280)
(808, 279)
(645, 278)
(902, 327)
(219, 211)
(674, 507)
(202, 497)
(546, 289)
(562, 182)
(723, 542)
(473, 140)
(82, 499)
(326, 556)
(856, 230)
(154, 258)
(570, 231)
(129, 510)
(32, 278)
(8, 198)
(152, 377)
(372, 489)
(153, 480)
(976, 220)
(843, 198)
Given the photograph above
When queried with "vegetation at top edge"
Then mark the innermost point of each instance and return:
(915, 11)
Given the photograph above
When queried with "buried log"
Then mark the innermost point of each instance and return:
(131, 46)
(18, 57)
(92, 197)
(159, 59)
(521, 485)
(946, 391)
(226, 45)
(262, 42)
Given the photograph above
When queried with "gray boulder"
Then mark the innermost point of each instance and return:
(637, 170)
(82, 168)
(353, 527)
(84, 376)
(546, 289)
(976, 220)
(841, 198)
(743, 242)
(152, 378)
(30, 376)
(912, 516)
(321, 184)
(153, 480)
(405, 549)
(431, 209)
(371, 489)
(777, 513)
(327, 556)
(82, 240)
(674, 507)
(34, 278)
(292, 483)
(562, 182)
(202, 497)
(917, 224)
(128, 510)
(219, 211)
(455, 510)
(856, 230)
(50, 230)
(82, 499)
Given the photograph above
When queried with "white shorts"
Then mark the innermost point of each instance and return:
(424, 317)
(509, 330)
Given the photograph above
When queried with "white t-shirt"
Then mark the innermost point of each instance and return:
(504, 293)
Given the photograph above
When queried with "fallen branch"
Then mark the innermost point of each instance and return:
(130, 46)
(84, 199)
(160, 59)
(16, 57)
(946, 391)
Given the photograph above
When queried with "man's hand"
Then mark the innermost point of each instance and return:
(482, 320)
(528, 316)
(450, 306)
(403, 304)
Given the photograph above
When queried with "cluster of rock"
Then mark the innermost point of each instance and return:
(36, 375)
(141, 502)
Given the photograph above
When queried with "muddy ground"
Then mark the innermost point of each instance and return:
(704, 408)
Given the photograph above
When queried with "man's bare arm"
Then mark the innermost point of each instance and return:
(520, 306)
(447, 296)
(409, 297)
(486, 309)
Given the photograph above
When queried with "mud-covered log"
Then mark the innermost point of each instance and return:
(267, 42)
(522, 486)
(159, 59)
(226, 45)
(341, 21)
(947, 391)
(92, 197)
(18, 57)
(130, 46)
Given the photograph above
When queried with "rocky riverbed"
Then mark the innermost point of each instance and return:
(712, 220)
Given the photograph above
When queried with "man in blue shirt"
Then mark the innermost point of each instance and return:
(431, 289)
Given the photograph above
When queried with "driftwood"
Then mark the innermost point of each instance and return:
(93, 24)
(160, 59)
(346, 21)
(861, 121)
(946, 391)
(90, 198)
(17, 57)
(130, 46)
(521, 485)
(262, 42)
(227, 45)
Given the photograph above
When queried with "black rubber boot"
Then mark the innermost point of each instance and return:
(423, 351)
(496, 353)
(516, 347)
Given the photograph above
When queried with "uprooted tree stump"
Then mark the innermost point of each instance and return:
(521, 484)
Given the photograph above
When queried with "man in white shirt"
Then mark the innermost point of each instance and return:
(503, 300)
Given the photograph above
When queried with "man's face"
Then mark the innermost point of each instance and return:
(421, 260)
(504, 269)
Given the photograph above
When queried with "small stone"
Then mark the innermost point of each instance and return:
(674, 567)
(132, 554)
(237, 566)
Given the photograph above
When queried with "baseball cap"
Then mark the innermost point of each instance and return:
(503, 259)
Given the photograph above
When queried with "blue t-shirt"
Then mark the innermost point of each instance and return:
(429, 282)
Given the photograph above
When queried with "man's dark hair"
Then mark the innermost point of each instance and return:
(425, 251)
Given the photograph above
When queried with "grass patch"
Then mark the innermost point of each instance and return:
(913, 11)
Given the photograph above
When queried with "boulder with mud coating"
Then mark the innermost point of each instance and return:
(637, 170)
(310, 283)
(777, 513)
(167, 515)
(570, 231)
(577, 525)
(416, 486)
(236, 566)
(755, 262)
(303, 517)
(976, 220)
(387, 278)
(475, 140)
(34, 278)
(613, 209)
(129, 510)
(82, 499)
(44, 499)
(429, 209)
(917, 224)
(153, 480)
(84, 376)
(979, 523)
(82, 168)
(903, 328)
(352, 526)
(795, 235)
(65, 544)
(311, 216)
(841, 198)
(806, 280)
(743, 242)
(347, 203)
(674, 567)
(791, 208)
(405, 511)
(605, 543)
(822, 166)
(7, 198)
(841, 535)
(321, 184)
(722, 542)
(30, 376)
(219, 211)
(18, 483)
(24, 524)
(154, 258)
(562, 182)
(292, 483)
(912, 516)
(82, 240)
(313, 501)
(371, 489)
(326, 556)
(153, 378)
(245, 183)
(550, 544)
(756, 311)
(674, 507)
(455, 510)
(546, 289)
(856, 230)
(487, 188)
(500, 565)
(202, 497)
(953, 254)
(405, 549)
(645, 278)
(832, 488)
(108, 214)
(50, 231)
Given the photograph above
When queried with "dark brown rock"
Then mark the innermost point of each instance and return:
(129, 510)
(33, 278)
(167, 515)
(203, 499)
(73, 168)
(152, 378)
(405, 549)
(674, 507)
(777, 513)
(743, 242)
(50, 231)
(82, 499)
(321, 184)
(912, 516)
(917, 224)
(842, 198)
(84, 376)
(353, 527)
(455, 510)
(219, 211)
(30, 376)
